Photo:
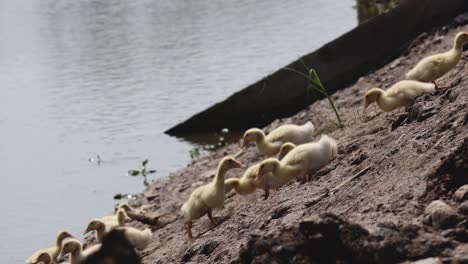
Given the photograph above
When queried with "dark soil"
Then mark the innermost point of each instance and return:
(413, 158)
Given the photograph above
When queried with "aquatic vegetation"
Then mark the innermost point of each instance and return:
(315, 84)
(368, 9)
(195, 153)
(126, 196)
(143, 172)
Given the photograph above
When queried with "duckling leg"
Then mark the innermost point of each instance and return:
(210, 215)
(266, 194)
(189, 229)
(304, 179)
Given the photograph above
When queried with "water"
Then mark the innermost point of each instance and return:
(86, 78)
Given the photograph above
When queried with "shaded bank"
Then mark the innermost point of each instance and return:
(339, 63)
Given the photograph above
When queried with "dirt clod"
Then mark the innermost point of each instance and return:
(441, 215)
(462, 193)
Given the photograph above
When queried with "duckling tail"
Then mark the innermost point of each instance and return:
(185, 210)
(329, 143)
(310, 124)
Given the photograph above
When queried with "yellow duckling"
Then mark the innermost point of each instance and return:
(53, 250)
(285, 149)
(139, 239)
(116, 220)
(103, 228)
(302, 161)
(435, 66)
(75, 249)
(208, 197)
(248, 183)
(113, 218)
(244, 185)
(269, 145)
(401, 94)
(44, 257)
(99, 226)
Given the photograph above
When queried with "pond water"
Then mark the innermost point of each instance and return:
(85, 78)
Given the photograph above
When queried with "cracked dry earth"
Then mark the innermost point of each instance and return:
(410, 159)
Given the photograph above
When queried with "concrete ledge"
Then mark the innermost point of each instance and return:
(339, 63)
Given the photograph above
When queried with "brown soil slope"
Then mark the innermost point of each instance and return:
(412, 158)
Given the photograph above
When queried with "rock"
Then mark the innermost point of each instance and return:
(440, 215)
(395, 63)
(463, 208)
(458, 234)
(462, 193)
(427, 261)
(462, 19)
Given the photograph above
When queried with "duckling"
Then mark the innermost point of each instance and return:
(285, 149)
(113, 218)
(103, 228)
(118, 219)
(244, 185)
(139, 239)
(269, 145)
(99, 226)
(249, 182)
(208, 197)
(53, 250)
(302, 161)
(75, 249)
(401, 94)
(435, 66)
(115, 249)
(44, 257)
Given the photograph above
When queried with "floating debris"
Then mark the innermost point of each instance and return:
(96, 160)
(143, 172)
(121, 196)
(194, 153)
(133, 173)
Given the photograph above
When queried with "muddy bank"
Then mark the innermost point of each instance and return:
(339, 63)
(411, 159)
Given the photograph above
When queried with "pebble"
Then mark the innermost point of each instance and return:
(440, 215)
(462, 193)
(463, 208)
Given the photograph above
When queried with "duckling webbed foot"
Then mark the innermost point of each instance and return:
(210, 215)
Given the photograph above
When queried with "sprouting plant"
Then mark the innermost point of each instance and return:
(316, 84)
(143, 172)
(194, 153)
